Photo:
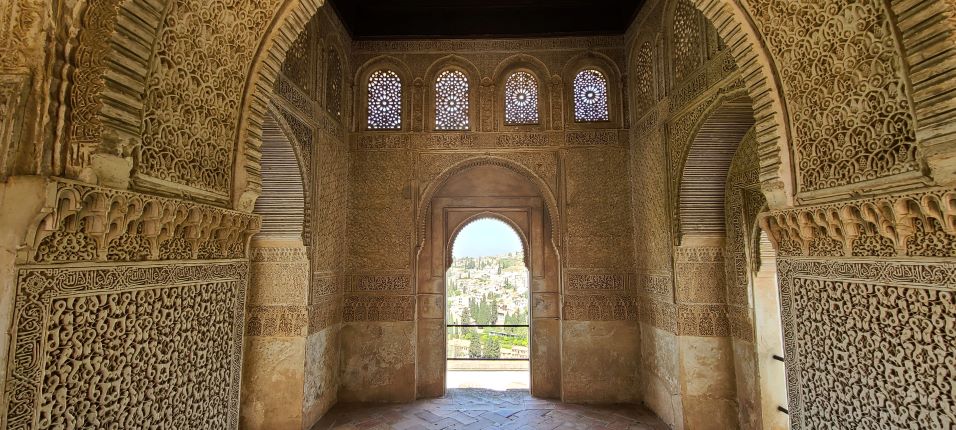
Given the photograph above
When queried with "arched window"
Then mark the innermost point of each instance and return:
(333, 88)
(521, 99)
(384, 101)
(451, 101)
(590, 96)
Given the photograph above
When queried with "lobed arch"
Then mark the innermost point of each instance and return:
(612, 74)
(522, 234)
(534, 66)
(551, 203)
(452, 62)
(360, 87)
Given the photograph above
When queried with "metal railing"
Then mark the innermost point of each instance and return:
(528, 326)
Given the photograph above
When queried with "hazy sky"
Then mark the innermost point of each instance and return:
(486, 237)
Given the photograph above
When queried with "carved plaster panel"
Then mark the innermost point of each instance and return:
(194, 95)
(88, 223)
(842, 316)
(841, 58)
(379, 308)
(599, 308)
(596, 282)
(173, 331)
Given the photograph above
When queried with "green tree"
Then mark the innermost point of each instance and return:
(491, 347)
(474, 348)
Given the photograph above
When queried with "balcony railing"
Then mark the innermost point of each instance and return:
(501, 337)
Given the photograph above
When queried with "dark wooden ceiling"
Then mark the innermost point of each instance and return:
(390, 19)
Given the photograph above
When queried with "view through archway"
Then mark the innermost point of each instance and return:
(487, 309)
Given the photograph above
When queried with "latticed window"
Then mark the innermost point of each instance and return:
(451, 101)
(521, 99)
(590, 96)
(384, 101)
(333, 90)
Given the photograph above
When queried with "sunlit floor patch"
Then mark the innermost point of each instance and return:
(498, 380)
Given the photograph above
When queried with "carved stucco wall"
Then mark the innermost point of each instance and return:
(292, 366)
(392, 173)
(900, 87)
(848, 243)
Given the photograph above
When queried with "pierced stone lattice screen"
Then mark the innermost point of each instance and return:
(333, 88)
(451, 101)
(590, 97)
(384, 101)
(521, 99)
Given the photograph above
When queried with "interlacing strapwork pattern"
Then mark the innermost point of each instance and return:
(875, 356)
(852, 117)
(194, 91)
(521, 99)
(451, 101)
(384, 101)
(643, 71)
(136, 346)
(333, 85)
(590, 97)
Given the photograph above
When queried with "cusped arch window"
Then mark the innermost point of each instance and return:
(521, 99)
(384, 100)
(590, 97)
(451, 101)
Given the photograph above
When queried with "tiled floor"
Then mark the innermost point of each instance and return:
(473, 408)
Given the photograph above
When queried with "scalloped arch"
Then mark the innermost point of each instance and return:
(429, 193)
(453, 238)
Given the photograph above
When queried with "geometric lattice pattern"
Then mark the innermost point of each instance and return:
(521, 99)
(590, 97)
(451, 101)
(384, 101)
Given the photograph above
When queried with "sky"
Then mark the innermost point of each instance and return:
(486, 237)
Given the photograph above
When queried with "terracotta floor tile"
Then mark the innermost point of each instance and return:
(478, 409)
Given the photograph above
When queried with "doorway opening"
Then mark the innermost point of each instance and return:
(487, 309)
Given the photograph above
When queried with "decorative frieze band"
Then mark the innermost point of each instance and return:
(279, 321)
(368, 141)
(487, 45)
(82, 222)
(709, 320)
(656, 285)
(379, 308)
(397, 283)
(325, 284)
(586, 282)
(913, 225)
(292, 321)
(599, 308)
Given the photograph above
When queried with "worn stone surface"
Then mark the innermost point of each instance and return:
(474, 408)
(378, 362)
(600, 362)
(275, 364)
